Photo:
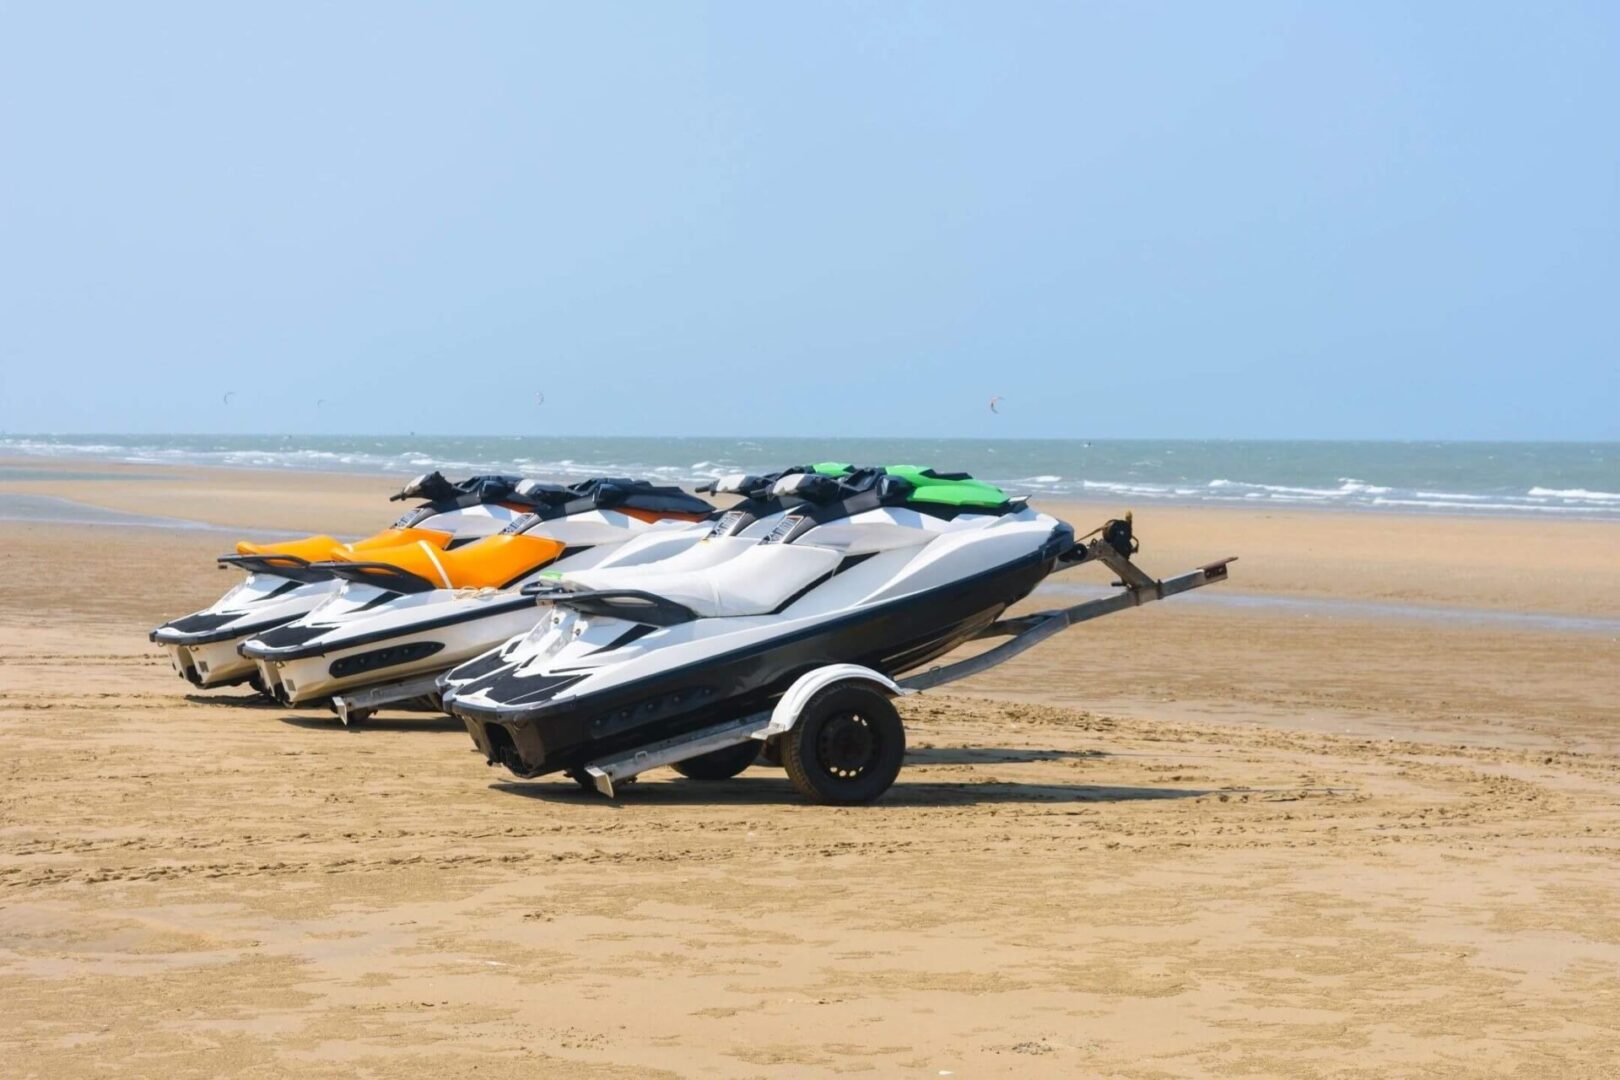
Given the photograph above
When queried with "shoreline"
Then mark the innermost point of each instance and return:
(35, 510)
(1562, 567)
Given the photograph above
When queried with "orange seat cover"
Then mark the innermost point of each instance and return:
(395, 537)
(491, 563)
(325, 548)
(310, 548)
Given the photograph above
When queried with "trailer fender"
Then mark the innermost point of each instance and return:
(786, 713)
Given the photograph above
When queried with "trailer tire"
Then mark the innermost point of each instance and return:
(847, 746)
(721, 764)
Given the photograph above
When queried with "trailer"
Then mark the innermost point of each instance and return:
(796, 731)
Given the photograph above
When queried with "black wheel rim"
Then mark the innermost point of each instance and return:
(847, 745)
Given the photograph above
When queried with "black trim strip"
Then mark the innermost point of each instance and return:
(800, 595)
(283, 566)
(215, 636)
(381, 575)
(640, 630)
(296, 652)
(345, 667)
(852, 561)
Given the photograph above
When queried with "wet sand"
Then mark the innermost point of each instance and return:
(1201, 839)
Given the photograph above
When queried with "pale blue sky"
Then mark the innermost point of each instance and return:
(1250, 219)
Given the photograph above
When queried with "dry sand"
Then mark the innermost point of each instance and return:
(1202, 839)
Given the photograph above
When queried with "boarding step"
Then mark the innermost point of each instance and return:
(608, 771)
(378, 696)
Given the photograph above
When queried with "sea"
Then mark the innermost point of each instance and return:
(1524, 479)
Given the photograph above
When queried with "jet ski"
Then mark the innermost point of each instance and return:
(388, 638)
(885, 568)
(401, 616)
(288, 579)
(732, 532)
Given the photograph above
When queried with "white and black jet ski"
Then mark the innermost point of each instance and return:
(288, 579)
(395, 627)
(885, 568)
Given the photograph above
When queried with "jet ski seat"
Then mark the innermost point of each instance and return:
(324, 548)
(494, 562)
(309, 549)
(760, 581)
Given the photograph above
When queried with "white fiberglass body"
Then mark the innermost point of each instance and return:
(619, 661)
(366, 635)
(203, 646)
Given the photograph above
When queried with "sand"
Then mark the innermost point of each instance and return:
(1280, 837)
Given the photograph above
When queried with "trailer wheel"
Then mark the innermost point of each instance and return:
(721, 764)
(847, 747)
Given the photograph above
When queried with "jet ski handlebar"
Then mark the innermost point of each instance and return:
(290, 567)
(631, 605)
(431, 485)
(381, 575)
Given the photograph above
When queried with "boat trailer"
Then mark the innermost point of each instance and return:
(1111, 548)
(419, 694)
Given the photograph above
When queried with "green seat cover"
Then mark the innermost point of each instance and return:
(931, 488)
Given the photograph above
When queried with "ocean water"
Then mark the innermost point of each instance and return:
(1518, 479)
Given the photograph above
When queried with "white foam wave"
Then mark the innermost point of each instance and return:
(1443, 504)
(1575, 493)
(591, 458)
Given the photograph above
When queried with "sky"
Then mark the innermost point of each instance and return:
(1250, 220)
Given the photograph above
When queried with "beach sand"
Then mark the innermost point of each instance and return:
(1353, 819)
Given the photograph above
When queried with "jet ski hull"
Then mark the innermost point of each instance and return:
(282, 585)
(540, 727)
(369, 636)
(204, 647)
(431, 642)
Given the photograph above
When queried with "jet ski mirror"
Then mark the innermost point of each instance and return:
(808, 486)
(431, 485)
